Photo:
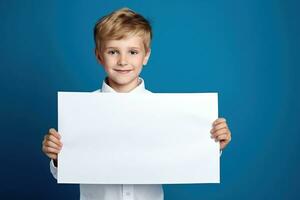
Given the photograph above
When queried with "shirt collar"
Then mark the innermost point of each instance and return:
(139, 88)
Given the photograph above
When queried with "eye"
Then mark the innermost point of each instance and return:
(112, 52)
(133, 52)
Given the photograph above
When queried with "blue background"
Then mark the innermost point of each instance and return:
(248, 51)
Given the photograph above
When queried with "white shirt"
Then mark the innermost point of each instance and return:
(118, 192)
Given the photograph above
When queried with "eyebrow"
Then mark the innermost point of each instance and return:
(118, 48)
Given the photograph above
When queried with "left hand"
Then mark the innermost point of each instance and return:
(220, 132)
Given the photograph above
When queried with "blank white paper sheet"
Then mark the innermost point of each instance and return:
(137, 138)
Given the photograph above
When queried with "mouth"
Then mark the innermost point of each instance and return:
(123, 71)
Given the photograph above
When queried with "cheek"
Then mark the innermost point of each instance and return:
(109, 62)
(138, 61)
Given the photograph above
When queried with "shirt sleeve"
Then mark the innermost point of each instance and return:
(53, 169)
(220, 153)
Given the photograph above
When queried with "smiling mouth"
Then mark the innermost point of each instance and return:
(123, 71)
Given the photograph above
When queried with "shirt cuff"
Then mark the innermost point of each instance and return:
(53, 169)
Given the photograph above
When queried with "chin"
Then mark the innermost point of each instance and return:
(124, 81)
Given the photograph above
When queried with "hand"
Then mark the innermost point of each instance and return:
(220, 132)
(52, 144)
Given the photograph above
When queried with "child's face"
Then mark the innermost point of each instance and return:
(123, 60)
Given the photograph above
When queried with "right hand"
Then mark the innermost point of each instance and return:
(52, 144)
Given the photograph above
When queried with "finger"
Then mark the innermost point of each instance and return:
(222, 137)
(224, 143)
(53, 132)
(219, 120)
(52, 144)
(50, 150)
(220, 132)
(54, 139)
(44, 140)
(219, 126)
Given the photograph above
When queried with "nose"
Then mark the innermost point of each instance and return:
(122, 61)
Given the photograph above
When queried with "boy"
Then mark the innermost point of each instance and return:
(122, 41)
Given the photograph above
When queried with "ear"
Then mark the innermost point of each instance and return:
(98, 56)
(147, 56)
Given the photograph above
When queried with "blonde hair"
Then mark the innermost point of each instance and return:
(121, 24)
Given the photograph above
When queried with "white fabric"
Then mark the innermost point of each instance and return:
(117, 192)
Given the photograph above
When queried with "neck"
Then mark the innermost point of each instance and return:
(123, 88)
